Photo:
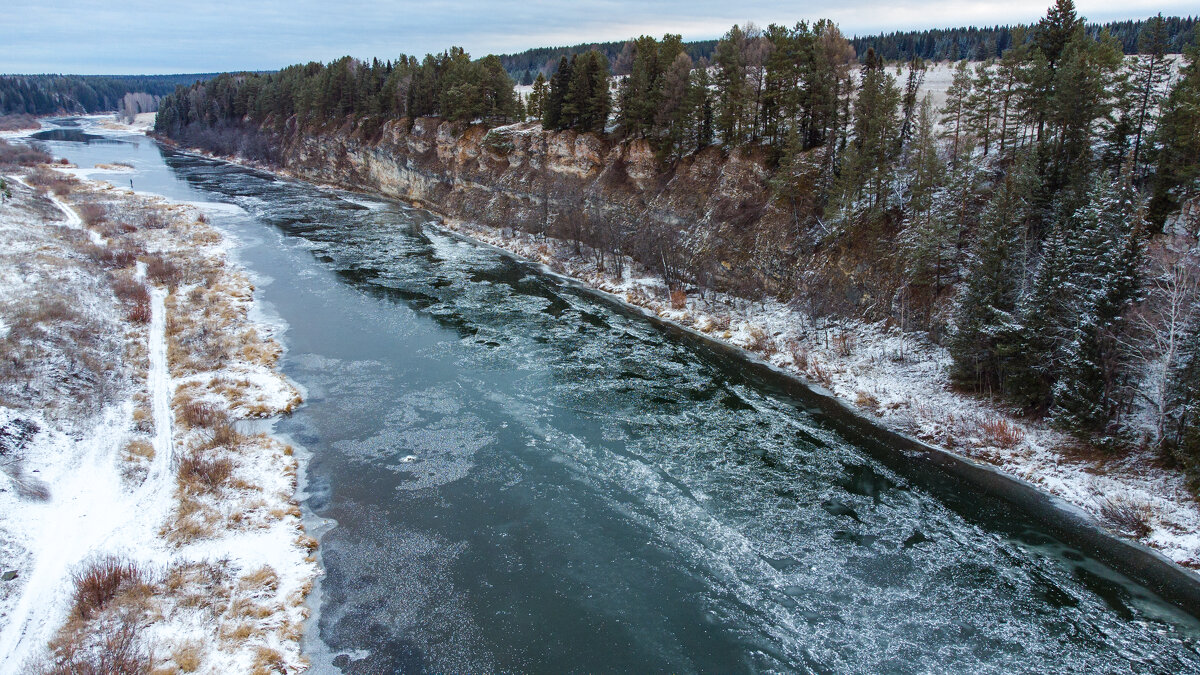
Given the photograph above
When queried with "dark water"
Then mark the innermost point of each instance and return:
(527, 479)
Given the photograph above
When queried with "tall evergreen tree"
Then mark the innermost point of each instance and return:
(1150, 73)
(733, 94)
(866, 170)
(1106, 257)
(954, 111)
(985, 314)
(560, 81)
(1178, 163)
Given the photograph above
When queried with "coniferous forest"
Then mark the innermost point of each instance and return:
(1037, 220)
(54, 94)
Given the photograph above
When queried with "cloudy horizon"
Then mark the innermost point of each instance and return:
(144, 37)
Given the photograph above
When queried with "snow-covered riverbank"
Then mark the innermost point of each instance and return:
(901, 380)
(140, 522)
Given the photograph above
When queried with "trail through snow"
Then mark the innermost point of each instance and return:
(91, 512)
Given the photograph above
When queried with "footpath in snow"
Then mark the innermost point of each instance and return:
(121, 466)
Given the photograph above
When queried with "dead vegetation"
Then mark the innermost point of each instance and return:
(110, 602)
(199, 474)
(1127, 516)
(21, 155)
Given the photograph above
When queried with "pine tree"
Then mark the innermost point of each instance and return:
(733, 95)
(954, 111)
(926, 240)
(866, 170)
(701, 101)
(587, 103)
(909, 105)
(983, 105)
(1178, 164)
(1150, 73)
(676, 114)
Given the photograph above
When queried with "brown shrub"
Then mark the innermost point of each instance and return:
(678, 299)
(21, 155)
(198, 414)
(154, 220)
(203, 474)
(163, 271)
(844, 343)
(97, 584)
(1127, 516)
(129, 289)
(111, 647)
(113, 258)
(139, 313)
(92, 213)
(1002, 433)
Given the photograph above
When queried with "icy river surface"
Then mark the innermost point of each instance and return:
(512, 475)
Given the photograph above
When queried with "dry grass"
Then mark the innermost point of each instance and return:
(678, 299)
(163, 272)
(139, 449)
(866, 401)
(760, 342)
(202, 474)
(97, 584)
(263, 579)
(188, 656)
(200, 415)
(143, 419)
(193, 520)
(1127, 516)
(268, 661)
(1001, 433)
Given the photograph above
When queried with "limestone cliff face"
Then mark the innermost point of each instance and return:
(525, 177)
(710, 216)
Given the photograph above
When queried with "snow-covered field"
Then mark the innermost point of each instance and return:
(121, 456)
(901, 380)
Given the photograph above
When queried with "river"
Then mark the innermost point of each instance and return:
(510, 474)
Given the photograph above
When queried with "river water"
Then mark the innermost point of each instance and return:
(510, 474)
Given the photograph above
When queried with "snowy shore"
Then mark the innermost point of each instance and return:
(125, 464)
(901, 381)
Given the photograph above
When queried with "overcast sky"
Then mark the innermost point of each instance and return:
(161, 36)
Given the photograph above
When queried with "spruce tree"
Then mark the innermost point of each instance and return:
(1184, 444)
(552, 111)
(1106, 258)
(537, 97)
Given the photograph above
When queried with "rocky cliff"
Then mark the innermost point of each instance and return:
(708, 219)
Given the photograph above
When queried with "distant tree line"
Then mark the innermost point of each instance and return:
(943, 44)
(449, 85)
(1032, 222)
(52, 94)
(982, 43)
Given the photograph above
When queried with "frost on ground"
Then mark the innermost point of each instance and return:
(901, 379)
(142, 529)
